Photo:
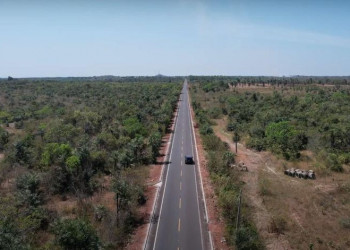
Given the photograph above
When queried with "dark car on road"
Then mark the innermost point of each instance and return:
(189, 159)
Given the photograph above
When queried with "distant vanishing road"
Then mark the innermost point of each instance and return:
(179, 213)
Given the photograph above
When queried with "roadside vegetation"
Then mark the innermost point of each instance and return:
(74, 158)
(226, 183)
(287, 119)
(280, 122)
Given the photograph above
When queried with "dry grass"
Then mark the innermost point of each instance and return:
(293, 213)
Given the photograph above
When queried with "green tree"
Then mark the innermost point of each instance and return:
(55, 153)
(10, 235)
(76, 234)
(73, 162)
(133, 127)
(28, 189)
(155, 141)
(4, 138)
(282, 138)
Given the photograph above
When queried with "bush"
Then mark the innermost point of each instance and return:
(28, 190)
(10, 236)
(206, 129)
(4, 138)
(55, 153)
(228, 158)
(344, 158)
(256, 143)
(282, 138)
(73, 162)
(278, 225)
(247, 239)
(76, 234)
(333, 163)
(345, 222)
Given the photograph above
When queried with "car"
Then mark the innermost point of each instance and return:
(189, 159)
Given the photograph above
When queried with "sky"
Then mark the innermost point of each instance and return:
(47, 38)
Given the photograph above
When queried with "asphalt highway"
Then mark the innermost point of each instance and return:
(181, 221)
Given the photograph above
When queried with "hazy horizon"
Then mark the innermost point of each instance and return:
(174, 38)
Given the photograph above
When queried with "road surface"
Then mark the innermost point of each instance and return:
(179, 215)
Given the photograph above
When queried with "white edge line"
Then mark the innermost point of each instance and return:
(166, 179)
(195, 177)
(161, 178)
(199, 167)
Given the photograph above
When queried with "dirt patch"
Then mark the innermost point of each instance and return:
(292, 213)
(11, 129)
(255, 163)
(2, 156)
(67, 206)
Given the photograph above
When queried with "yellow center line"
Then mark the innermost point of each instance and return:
(180, 203)
(179, 225)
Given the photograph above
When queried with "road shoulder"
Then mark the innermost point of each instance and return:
(153, 183)
(216, 225)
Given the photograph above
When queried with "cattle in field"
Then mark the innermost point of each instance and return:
(303, 174)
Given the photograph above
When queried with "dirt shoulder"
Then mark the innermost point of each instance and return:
(292, 213)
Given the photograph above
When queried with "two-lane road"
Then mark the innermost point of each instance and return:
(181, 223)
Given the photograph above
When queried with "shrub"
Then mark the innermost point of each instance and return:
(282, 138)
(55, 153)
(228, 158)
(345, 222)
(73, 163)
(28, 189)
(76, 234)
(257, 143)
(333, 163)
(206, 129)
(247, 239)
(278, 225)
(4, 138)
(10, 235)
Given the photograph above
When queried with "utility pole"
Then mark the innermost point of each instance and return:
(236, 139)
(239, 210)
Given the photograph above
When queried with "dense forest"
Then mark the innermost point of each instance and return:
(286, 116)
(74, 141)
